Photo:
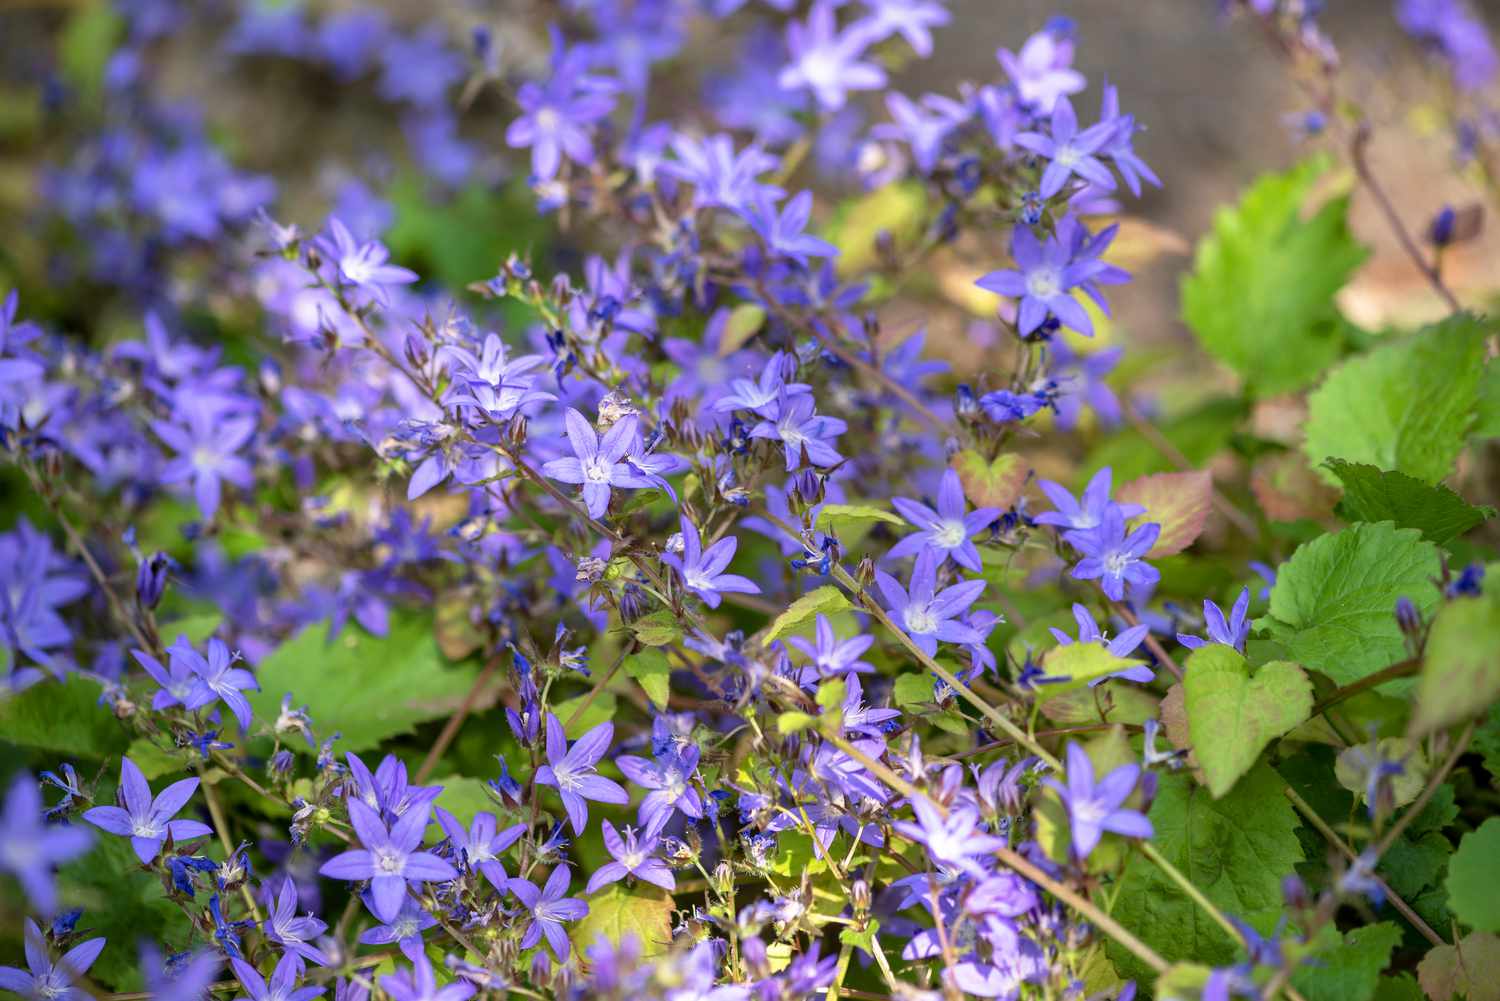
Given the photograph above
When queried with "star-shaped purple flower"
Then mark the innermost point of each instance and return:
(1086, 513)
(799, 429)
(571, 770)
(44, 980)
(1114, 558)
(390, 857)
(632, 857)
(598, 463)
(955, 842)
(926, 614)
(1094, 808)
(670, 781)
(1041, 280)
(481, 842)
(1231, 632)
(832, 657)
(947, 531)
(1122, 645)
(293, 933)
(549, 908)
(1070, 152)
(283, 983)
(144, 820)
(702, 570)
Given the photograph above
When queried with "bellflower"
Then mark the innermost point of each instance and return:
(782, 229)
(597, 462)
(1043, 70)
(30, 848)
(406, 928)
(481, 842)
(558, 117)
(720, 176)
(1122, 645)
(363, 264)
(1041, 281)
(420, 984)
(220, 677)
(294, 934)
(832, 657)
(799, 429)
(924, 613)
(207, 442)
(669, 781)
(946, 532)
(180, 684)
(282, 985)
(957, 841)
(388, 858)
(1087, 513)
(44, 980)
(1114, 558)
(913, 20)
(1094, 808)
(549, 907)
(923, 126)
(571, 770)
(145, 820)
(826, 61)
(1119, 148)
(1231, 632)
(632, 857)
(762, 393)
(702, 570)
(1070, 152)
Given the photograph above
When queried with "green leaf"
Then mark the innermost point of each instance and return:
(911, 689)
(990, 484)
(1199, 434)
(1233, 716)
(1405, 406)
(650, 668)
(1260, 298)
(1333, 605)
(833, 514)
(464, 797)
(791, 722)
(122, 903)
(1080, 663)
(197, 628)
(1401, 987)
(657, 629)
(641, 911)
(826, 599)
(745, 321)
(1352, 971)
(1474, 876)
(1487, 411)
(1178, 502)
(1460, 666)
(1372, 494)
(1236, 850)
(86, 44)
(365, 687)
(63, 717)
(1471, 969)
(600, 709)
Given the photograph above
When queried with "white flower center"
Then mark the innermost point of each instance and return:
(144, 829)
(1043, 283)
(919, 619)
(1115, 563)
(950, 534)
(547, 120)
(1066, 156)
(597, 469)
(389, 863)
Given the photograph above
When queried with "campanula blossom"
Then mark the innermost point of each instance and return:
(958, 841)
(1086, 513)
(480, 842)
(293, 933)
(145, 820)
(598, 462)
(947, 532)
(405, 929)
(1070, 152)
(762, 393)
(225, 681)
(558, 118)
(702, 570)
(1119, 148)
(782, 230)
(913, 20)
(388, 857)
(924, 126)
(1042, 281)
(1094, 808)
(1122, 645)
(549, 907)
(633, 856)
(828, 61)
(571, 770)
(419, 983)
(720, 176)
(800, 430)
(180, 684)
(46, 980)
(830, 656)
(1231, 632)
(30, 848)
(363, 264)
(669, 780)
(1114, 558)
(924, 613)
(1043, 70)
(208, 441)
(282, 985)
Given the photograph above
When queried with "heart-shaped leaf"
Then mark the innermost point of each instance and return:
(990, 484)
(1233, 715)
(1178, 502)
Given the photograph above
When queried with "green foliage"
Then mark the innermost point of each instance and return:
(1474, 878)
(1405, 406)
(657, 629)
(1236, 850)
(1260, 297)
(599, 709)
(122, 903)
(912, 689)
(1076, 664)
(365, 687)
(1333, 606)
(1460, 669)
(650, 668)
(1350, 971)
(63, 717)
(1232, 716)
(835, 516)
(826, 599)
(465, 238)
(1487, 411)
(1470, 969)
(616, 911)
(1372, 494)
(1198, 435)
(464, 797)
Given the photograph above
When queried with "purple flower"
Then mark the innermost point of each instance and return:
(782, 230)
(826, 61)
(294, 934)
(702, 570)
(719, 175)
(144, 820)
(1122, 645)
(956, 842)
(1119, 148)
(1088, 513)
(761, 394)
(947, 531)
(1232, 632)
(30, 847)
(1114, 558)
(831, 656)
(632, 858)
(283, 984)
(481, 842)
(184, 977)
(911, 19)
(1043, 72)
(596, 462)
(206, 442)
(1096, 808)
(860, 718)
(799, 430)
(180, 684)
(926, 614)
(1043, 277)
(669, 780)
(548, 908)
(420, 984)
(387, 790)
(220, 678)
(405, 929)
(1070, 152)
(363, 265)
(16, 369)
(389, 858)
(558, 117)
(571, 770)
(48, 981)
(924, 127)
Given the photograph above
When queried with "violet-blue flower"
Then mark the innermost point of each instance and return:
(30, 848)
(598, 462)
(669, 780)
(1041, 281)
(389, 857)
(826, 61)
(362, 264)
(1094, 808)
(957, 841)
(1070, 152)
(799, 429)
(292, 932)
(145, 820)
(571, 770)
(406, 928)
(1122, 645)
(549, 907)
(831, 657)
(632, 857)
(208, 442)
(1114, 558)
(913, 20)
(45, 980)
(1086, 513)
(1043, 72)
(420, 984)
(926, 614)
(702, 570)
(948, 531)
(282, 985)
(1231, 632)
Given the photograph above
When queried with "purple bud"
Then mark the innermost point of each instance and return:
(151, 579)
(1407, 616)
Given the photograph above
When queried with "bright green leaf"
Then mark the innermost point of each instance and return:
(642, 911)
(1404, 406)
(657, 629)
(1261, 295)
(833, 515)
(1236, 850)
(745, 321)
(650, 668)
(464, 797)
(1233, 715)
(63, 717)
(601, 708)
(123, 904)
(911, 689)
(1334, 602)
(826, 599)
(1372, 494)
(1487, 412)
(1351, 971)
(1460, 664)
(1076, 664)
(365, 687)
(1474, 878)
